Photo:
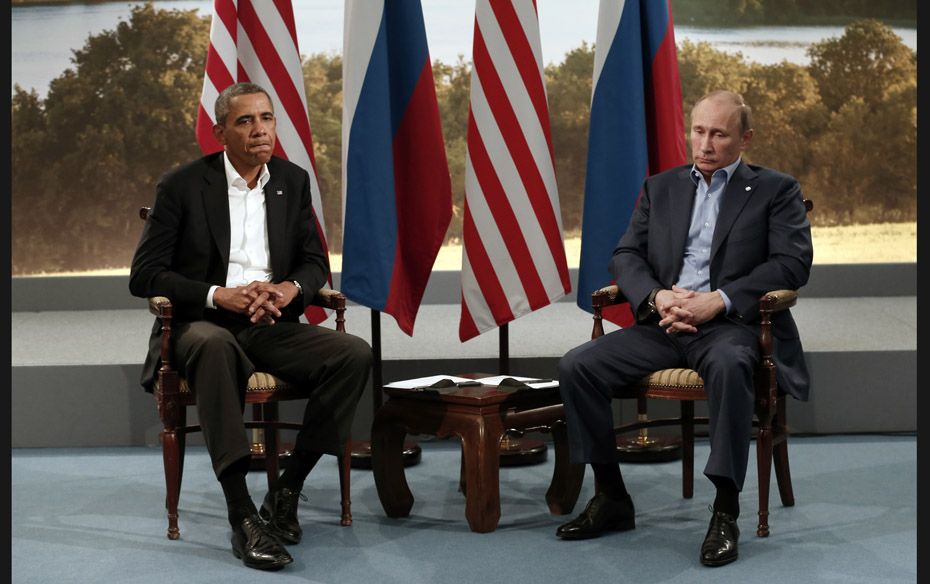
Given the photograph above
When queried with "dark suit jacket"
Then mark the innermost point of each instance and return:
(762, 242)
(184, 248)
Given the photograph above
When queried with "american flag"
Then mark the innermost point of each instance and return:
(256, 41)
(514, 258)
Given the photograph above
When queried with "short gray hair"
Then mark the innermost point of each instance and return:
(745, 112)
(221, 107)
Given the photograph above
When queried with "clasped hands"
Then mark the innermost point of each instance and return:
(260, 301)
(683, 310)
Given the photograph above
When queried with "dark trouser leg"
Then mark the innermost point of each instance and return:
(239, 504)
(300, 465)
(588, 374)
(725, 355)
(336, 365)
(217, 371)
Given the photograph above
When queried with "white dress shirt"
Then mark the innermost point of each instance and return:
(249, 259)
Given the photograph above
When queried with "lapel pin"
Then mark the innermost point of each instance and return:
(747, 188)
(278, 192)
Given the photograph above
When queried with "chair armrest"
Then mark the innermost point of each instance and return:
(160, 306)
(774, 301)
(327, 298)
(333, 300)
(607, 296)
(766, 391)
(777, 300)
(601, 299)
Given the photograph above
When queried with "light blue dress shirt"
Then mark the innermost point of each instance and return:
(695, 271)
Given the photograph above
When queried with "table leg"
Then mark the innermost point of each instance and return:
(462, 487)
(481, 450)
(567, 478)
(387, 461)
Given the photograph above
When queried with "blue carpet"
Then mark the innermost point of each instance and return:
(97, 515)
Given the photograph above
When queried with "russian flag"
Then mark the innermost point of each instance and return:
(397, 194)
(636, 130)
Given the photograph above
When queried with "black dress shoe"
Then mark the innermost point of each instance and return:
(257, 546)
(720, 543)
(602, 514)
(279, 509)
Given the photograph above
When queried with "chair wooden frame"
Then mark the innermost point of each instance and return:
(172, 397)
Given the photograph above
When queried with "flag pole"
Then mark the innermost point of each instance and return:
(377, 377)
(361, 450)
(503, 349)
(515, 450)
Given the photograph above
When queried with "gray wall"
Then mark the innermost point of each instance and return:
(100, 404)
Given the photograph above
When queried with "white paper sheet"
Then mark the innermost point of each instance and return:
(423, 381)
(533, 382)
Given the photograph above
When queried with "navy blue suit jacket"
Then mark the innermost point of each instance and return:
(762, 242)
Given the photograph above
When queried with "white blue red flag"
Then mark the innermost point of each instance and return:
(256, 41)
(397, 194)
(637, 129)
(513, 260)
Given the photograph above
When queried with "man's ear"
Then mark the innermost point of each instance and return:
(219, 134)
(747, 137)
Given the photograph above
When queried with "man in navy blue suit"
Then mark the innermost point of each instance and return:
(705, 242)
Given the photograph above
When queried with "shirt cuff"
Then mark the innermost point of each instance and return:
(726, 301)
(210, 293)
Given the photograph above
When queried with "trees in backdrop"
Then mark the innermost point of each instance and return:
(87, 156)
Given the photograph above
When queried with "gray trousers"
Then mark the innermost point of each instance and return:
(725, 355)
(218, 359)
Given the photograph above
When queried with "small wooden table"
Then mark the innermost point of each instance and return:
(479, 415)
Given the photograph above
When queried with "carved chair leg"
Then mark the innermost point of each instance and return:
(170, 455)
(687, 449)
(764, 462)
(182, 441)
(780, 455)
(345, 468)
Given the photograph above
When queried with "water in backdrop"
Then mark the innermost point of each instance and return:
(43, 37)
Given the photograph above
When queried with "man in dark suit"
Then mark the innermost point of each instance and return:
(705, 242)
(232, 241)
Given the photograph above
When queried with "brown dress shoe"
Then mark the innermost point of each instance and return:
(601, 515)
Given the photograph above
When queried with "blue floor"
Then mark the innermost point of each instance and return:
(97, 515)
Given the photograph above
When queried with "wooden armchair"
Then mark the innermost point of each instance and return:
(173, 396)
(686, 386)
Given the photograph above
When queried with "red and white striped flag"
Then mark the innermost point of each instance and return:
(514, 258)
(256, 41)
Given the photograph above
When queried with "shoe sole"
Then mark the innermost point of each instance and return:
(625, 525)
(718, 563)
(268, 567)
